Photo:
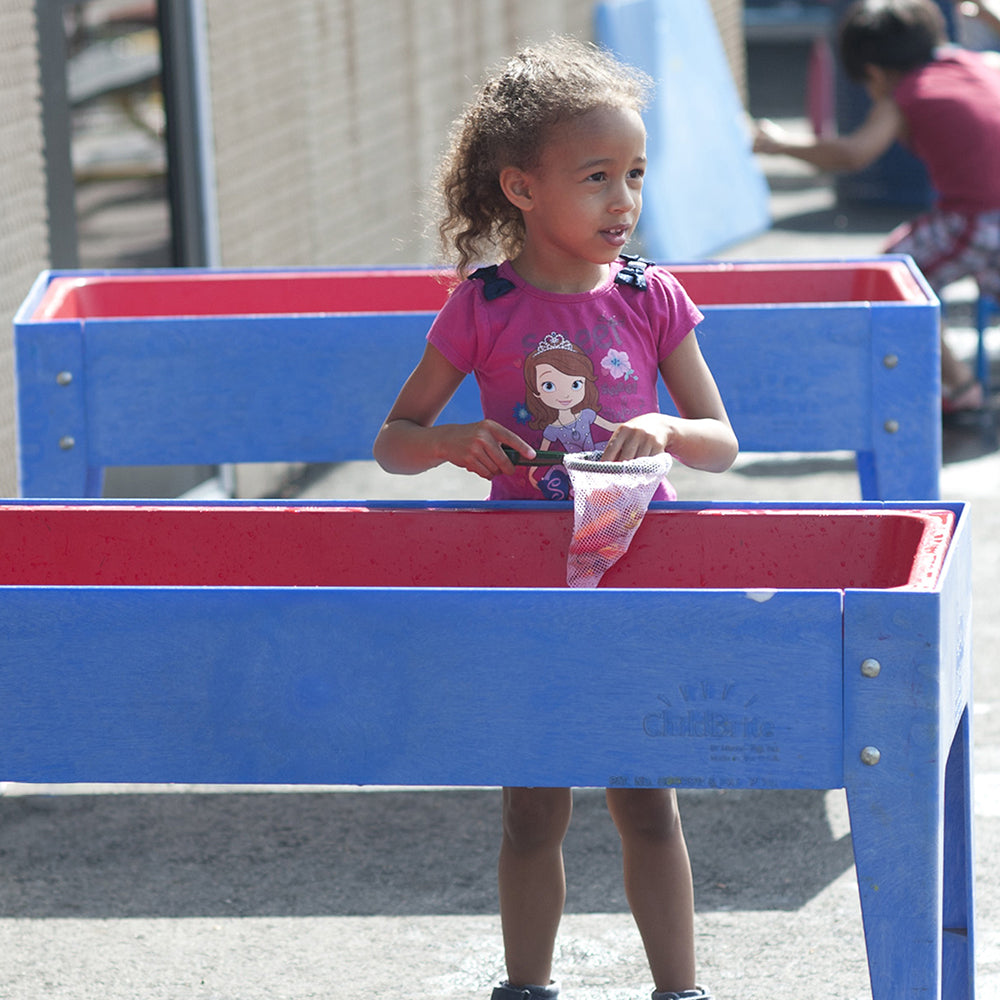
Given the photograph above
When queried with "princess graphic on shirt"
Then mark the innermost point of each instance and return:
(563, 400)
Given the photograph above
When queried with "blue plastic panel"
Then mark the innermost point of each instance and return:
(703, 188)
(400, 686)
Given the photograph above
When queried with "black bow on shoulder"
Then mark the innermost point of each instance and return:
(633, 273)
(493, 285)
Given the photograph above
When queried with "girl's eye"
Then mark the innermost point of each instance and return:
(637, 174)
(599, 176)
(577, 384)
(548, 387)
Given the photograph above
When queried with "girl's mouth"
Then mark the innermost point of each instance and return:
(616, 235)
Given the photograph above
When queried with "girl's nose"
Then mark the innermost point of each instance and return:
(624, 199)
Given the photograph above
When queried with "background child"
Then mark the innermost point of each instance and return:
(545, 174)
(943, 102)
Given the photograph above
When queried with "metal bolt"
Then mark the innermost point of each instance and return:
(64, 378)
(890, 360)
(871, 667)
(66, 442)
(891, 426)
(871, 756)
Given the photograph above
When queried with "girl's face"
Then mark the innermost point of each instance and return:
(557, 389)
(581, 204)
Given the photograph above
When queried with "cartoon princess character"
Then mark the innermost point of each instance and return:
(562, 394)
(563, 400)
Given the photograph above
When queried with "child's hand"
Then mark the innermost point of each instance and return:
(640, 437)
(477, 447)
(769, 137)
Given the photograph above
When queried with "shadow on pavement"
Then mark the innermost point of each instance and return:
(388, 853)
(836, 219)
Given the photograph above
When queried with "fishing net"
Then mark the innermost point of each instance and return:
(609, 503)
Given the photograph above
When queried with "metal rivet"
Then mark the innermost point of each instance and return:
(64, 378)
(890, 360)
(891, 426)
(871, 667)
(66, 442)
(871, 756)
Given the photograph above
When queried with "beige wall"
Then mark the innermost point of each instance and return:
(729, 18)
(23, 223)
(330, 115)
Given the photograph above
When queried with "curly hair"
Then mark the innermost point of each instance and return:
(898, 35)
(508, 124)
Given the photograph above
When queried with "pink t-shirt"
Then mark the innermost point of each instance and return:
(562, 371)
(952, 112)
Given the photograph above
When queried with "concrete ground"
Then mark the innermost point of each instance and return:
(219, 894)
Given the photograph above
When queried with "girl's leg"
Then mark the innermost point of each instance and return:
(658, 881)
(532, 879)
(947, 247)
(958, 380)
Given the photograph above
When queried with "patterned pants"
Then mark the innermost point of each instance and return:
(947, 246)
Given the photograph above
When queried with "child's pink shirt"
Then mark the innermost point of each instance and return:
(624, 332)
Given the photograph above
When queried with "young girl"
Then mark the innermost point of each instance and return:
(545, 171)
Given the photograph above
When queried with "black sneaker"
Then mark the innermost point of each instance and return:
(507, 992)
(698, 993)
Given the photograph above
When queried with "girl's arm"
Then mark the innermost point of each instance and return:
(410, 442)
(855, 151)
(701, 437)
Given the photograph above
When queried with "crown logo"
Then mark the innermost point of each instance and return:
(554, 342)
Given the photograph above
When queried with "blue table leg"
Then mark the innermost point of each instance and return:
(958, 942)
(913, 854)
(907, 772)
(897, 854)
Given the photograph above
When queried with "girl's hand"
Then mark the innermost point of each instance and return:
(769, 137)
(411, 442)
(640, 437)
(476, 447)
(701, 437)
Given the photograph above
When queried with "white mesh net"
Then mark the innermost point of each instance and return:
(609, 503)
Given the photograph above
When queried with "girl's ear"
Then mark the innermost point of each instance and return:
(879, 82)
(516, 185)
